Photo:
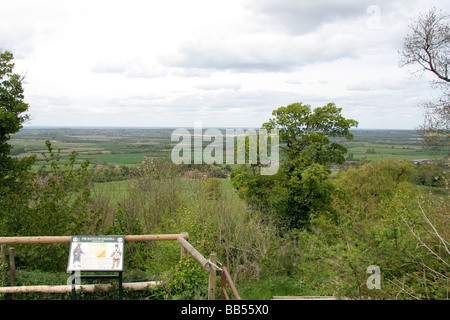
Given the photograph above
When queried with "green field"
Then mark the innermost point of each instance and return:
(378, 151)
(100, 146)
(131, 146)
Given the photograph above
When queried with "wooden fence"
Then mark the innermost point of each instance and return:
(210, 265)
(226, 278)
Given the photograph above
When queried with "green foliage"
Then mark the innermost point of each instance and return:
(59, 201)
(430, 175)
(375, 180)
(275, 286)
(212, 186)
(13, 174)
(154, 194)
(383, 220)
(307, 133)
(240, 238)
(153, 200)
(57, 204)
(258, 190)
(12, 105)
(186, 281)
(293, 195)
(301, 188)
(310, 192)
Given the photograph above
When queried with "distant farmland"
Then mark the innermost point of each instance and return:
(131, 146)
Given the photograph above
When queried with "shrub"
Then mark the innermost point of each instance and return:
(186, 281)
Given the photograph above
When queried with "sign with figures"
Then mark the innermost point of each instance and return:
(96, 253)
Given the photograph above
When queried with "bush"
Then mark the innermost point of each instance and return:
(54, 205)
(186, 281)
(384, 221)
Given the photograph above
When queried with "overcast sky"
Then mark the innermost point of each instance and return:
(224, 63)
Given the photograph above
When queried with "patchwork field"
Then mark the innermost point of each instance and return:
(101, 146)
(127, 146)
(118, 149)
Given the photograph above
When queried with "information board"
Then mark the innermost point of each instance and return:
(96, 253)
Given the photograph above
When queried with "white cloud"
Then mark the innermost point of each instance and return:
(170, 63)
(131, 69)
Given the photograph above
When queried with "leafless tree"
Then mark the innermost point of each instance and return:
(428, 46)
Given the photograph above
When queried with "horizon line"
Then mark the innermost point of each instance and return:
(165, 127)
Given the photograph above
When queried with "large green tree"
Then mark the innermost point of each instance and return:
(15, 173)
(301, 188)
(13, 110)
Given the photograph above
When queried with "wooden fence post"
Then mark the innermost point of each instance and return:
(12, 269)
(212, 278)
(3, 262)
(184, 253)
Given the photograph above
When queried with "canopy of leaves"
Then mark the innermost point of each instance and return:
(307, 132)
(12, 109)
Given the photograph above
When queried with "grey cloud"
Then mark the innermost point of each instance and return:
(220, 56)
(217, 101)
(266, 53)
(301, 17)
(232, 109)
(214, 101)
(319, 31)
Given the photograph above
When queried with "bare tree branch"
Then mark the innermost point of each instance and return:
(444, 242)
(429, 44)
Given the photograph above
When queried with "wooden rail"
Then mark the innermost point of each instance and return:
(226, 278)
(136, 286)
(66, 239)
(197, 255)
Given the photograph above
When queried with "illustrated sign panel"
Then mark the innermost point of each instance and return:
(96, 253)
